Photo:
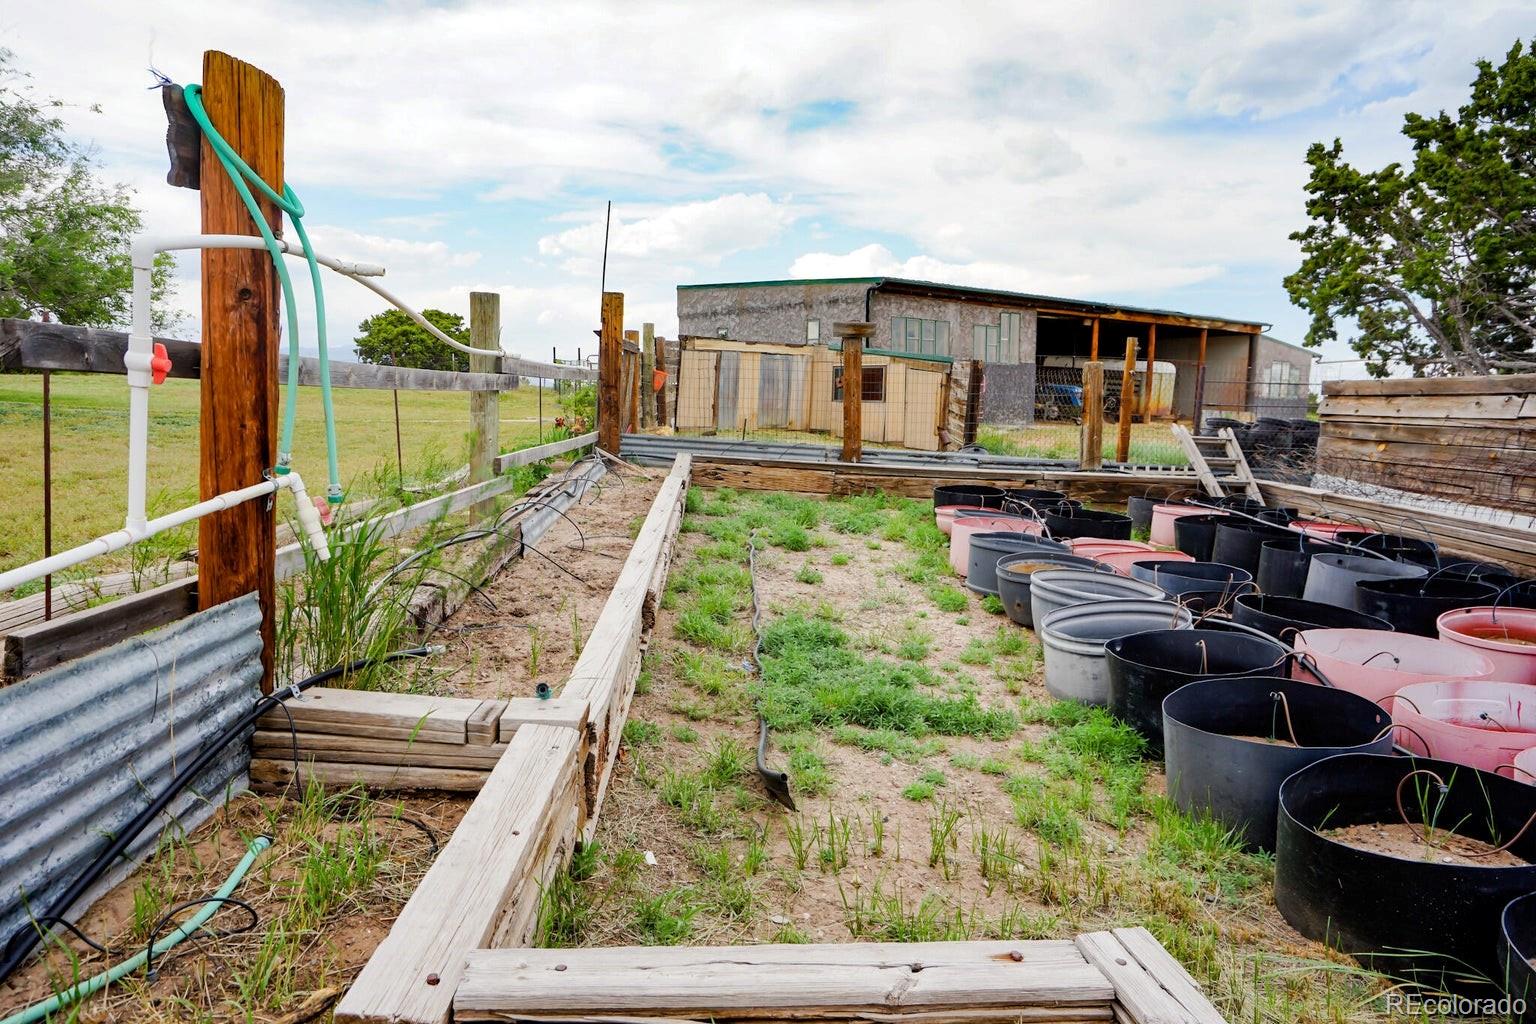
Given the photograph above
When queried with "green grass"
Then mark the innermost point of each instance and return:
(90, 449)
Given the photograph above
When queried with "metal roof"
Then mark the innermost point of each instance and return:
(961, 291)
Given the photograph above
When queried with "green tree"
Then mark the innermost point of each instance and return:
(1435, 263)
(394, 338)
(64, 233)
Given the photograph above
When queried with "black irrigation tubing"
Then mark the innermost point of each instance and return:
(18, 946)
(165, 919)
(775, 781)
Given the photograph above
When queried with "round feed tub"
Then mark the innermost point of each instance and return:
(1376, 664)
(1505, 636)
(1121, 561)
(1229, 743)
(1163, 517)
(1146, 667)
(1177, 577)
(1480, 724)
(1035, 497)
(1074, 640)
(1015, 573)
(1087, 522)
(1413, 606)
(988, 548)
(1284, 617)
(1093, 547)
(1393, 545)
(993, 522)
(1331, 578)
(1517, 948)
(1058, 588)
(944, 515)
(1416, 911)
(968, 494)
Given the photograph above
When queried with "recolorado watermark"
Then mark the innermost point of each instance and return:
(1453, 1006)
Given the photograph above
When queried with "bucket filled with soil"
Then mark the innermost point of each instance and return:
(1144, 668)
(966, 527)
(1015, 573)
(988, 548)
(1228, 744)
(1406, 864)
(1479, 724)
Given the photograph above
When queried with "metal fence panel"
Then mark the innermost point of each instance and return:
(84, 747)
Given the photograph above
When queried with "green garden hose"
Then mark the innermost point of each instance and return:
(78, 991)
(239, 174)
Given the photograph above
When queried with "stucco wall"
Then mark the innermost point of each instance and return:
(962, 316)
(775, 314)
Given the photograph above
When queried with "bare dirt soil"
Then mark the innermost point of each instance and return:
(1413, 842)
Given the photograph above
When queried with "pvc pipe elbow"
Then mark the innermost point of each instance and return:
(309, 516)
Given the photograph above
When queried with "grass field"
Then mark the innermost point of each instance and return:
(90, 449)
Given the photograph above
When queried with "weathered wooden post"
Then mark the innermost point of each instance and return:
(661, 392)
(1091, 454)
(1199, 384)
(631, 381)
(647, 371)
(484, 406)
(851, 336)
(237, 425)
(1093, 342)
(1127, 401)
(610, 355)
(1146, 396)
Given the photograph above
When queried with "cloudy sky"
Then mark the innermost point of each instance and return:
(1149, 154)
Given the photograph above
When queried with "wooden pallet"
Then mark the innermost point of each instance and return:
(1218, 461)
(1124, 975)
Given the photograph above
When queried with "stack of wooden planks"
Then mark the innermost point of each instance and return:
(1124, 975)
(1469, 439)
(540, 799)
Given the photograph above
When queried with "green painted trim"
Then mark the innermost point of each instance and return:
(783, 283)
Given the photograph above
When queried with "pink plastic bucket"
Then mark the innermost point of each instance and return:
(965, 526)
(1495, 634)
(1164, 515)
(1093, 547)
(944, 515)
(1376, 664)
(1325, 530)
(1524, 767)
(1480, 724)
(1121, 561)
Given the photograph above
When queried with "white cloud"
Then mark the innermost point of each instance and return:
(709, 230)
(348, 244)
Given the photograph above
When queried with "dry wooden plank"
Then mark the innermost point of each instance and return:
(78, 595)
(1144, 999)
(605, 674)
(276, 775)
(1447, 407)
(1514, 383)
(277, 744)
(779, 981)
(482, 725)
(1169, 973)
(528, 456)
(31, 649)
(413, 974)
(567, 711)
(405, 716)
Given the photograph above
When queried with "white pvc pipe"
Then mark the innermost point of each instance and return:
(309, 520)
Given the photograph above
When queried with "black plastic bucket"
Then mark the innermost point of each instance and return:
(1239, 503)
(1013, 585)
(968, 494)
(1412, 606)
(1140, 511)
(1146, 667)
(1218, 762)
(988, 548)
(1517, 932)
(1281, 516)
(1087, 522)
(1196, 535)
(1035, 496)
(1283, 617)
(1421, 920)
(1213, 602)
(1283, 564)
(1393, 545)
(1239, 542)
(1178, 577)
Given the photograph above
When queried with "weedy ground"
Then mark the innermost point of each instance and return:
(941, 793)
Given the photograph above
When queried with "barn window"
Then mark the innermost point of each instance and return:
(920, 337)
(812, 331)
(873, 384)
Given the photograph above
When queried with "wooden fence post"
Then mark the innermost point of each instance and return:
(647, 370)
(852, 336)
(1199, 385)
(237, 427)
(661, 392)
(1127, 401)
(484, 406)
(1091, 455)
(610, 354)
(1146, 397)
(631, 381)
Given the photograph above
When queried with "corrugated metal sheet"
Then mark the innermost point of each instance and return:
(85, 746)
(538, 521)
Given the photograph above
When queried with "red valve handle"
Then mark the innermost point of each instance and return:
(159, 364)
